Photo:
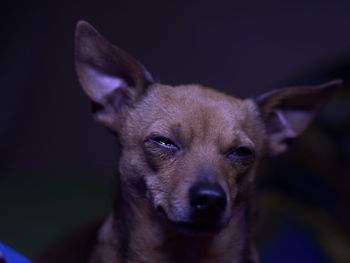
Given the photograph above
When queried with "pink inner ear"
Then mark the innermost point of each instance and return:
(276, 122)
(288, 112)
(279, 131)
(99, 85)
(296, 120)
(103, 68)
(283, 125)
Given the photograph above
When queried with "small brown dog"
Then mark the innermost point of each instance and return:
(189, 155)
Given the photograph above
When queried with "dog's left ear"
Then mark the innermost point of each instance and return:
(288, 112)
(109, 76)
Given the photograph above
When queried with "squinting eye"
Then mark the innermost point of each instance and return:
(241, 152)
(163, 142)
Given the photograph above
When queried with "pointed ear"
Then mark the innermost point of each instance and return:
(108, 75)
(288, 112)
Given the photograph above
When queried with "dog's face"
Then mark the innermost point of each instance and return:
(194, 149)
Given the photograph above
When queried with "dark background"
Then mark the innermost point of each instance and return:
(55, 162)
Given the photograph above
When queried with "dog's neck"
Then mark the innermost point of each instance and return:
(134, 234)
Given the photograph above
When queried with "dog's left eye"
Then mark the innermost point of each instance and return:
(241, 152)
(164, 142)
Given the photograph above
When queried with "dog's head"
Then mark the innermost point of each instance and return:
(194, 149)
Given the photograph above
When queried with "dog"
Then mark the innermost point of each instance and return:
(189, 156)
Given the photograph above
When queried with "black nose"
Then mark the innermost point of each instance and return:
(207, 199)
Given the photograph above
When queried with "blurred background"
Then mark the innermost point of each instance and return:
(56, 163)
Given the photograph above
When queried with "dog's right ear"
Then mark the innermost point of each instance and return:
(110, 77)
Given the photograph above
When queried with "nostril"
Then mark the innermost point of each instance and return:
(206, 199)
(161, 212)
(210, 199)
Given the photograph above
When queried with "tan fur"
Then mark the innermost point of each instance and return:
(188, 160)
(208, 123)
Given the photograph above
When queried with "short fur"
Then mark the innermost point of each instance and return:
(188, 160)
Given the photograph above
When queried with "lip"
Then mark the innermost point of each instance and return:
(192, 228)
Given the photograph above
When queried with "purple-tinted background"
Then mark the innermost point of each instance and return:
(242, 47)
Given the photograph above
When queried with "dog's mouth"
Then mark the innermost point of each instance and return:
(193, 226)
(195, 229)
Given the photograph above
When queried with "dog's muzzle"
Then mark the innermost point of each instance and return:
(207, 203)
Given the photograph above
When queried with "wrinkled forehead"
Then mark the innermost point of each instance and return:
(196, 112)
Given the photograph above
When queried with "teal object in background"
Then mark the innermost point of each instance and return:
(11, 256)
(38, 209)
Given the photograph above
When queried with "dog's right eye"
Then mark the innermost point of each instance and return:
(164, 142)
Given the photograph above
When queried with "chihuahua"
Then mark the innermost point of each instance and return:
(189, 155)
